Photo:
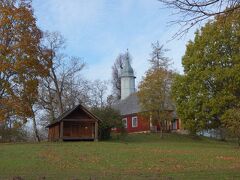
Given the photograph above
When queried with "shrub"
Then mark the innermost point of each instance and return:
(110, 119)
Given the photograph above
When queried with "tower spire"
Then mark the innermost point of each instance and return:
(127, 78)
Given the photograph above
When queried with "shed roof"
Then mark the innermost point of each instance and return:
(68, 112)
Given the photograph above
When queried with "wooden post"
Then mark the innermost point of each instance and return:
(150, 120)
(61, 130)
(96, 131)
(49, 134)
(178, 124)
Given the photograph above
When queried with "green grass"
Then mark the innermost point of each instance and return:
(139, 156)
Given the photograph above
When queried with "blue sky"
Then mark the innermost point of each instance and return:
(98, 30)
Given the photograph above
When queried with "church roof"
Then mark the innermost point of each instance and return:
(131, 105)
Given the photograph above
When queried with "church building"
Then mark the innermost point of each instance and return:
(129, 106)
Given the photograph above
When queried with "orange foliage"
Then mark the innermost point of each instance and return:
(22, 60)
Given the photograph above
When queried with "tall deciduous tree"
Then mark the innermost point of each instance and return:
(154, 89)
(22, 60)
(210, 84)
(61, 90)
(231, 120)
(98, 93)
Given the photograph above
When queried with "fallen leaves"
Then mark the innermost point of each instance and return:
(226, 158)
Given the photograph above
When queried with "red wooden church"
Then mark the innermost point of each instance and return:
(75, 124)
(130, 110)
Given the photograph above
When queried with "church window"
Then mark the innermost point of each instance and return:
(134, 121)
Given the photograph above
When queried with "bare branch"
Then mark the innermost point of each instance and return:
(193, 12)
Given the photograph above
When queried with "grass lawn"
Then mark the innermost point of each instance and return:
(139, 156)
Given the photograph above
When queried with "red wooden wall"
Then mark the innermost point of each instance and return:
(143, 123)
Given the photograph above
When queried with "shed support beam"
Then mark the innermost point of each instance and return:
(96, 131)
(61, 130)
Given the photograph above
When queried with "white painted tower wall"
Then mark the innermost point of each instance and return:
(127, 86)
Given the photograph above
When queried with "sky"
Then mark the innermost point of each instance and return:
(98, 30)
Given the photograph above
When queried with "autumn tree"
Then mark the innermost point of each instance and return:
(116, 70)
(210, 85)
(22, 60)
(154, 89)
(193, 12)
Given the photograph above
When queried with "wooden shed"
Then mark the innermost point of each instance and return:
(75, 124)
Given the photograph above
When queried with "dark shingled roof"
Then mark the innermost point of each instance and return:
(131, 105)
(66, 113)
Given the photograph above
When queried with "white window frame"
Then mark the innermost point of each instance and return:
(136, 125)
(126, 123)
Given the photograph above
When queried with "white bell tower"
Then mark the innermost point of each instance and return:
(127, 79)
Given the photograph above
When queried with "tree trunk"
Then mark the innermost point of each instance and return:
(222, 134)
(36, 130)
(239, 141)
(59, 92)
(161, 132)
(9, 126)
(51, 108)
(161, 125)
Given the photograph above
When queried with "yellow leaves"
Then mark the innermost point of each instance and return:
(4, 65)
(226, 158)
(3, 113)
(21, 61)
(17, 125)
(152, 90)
(31, 85)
